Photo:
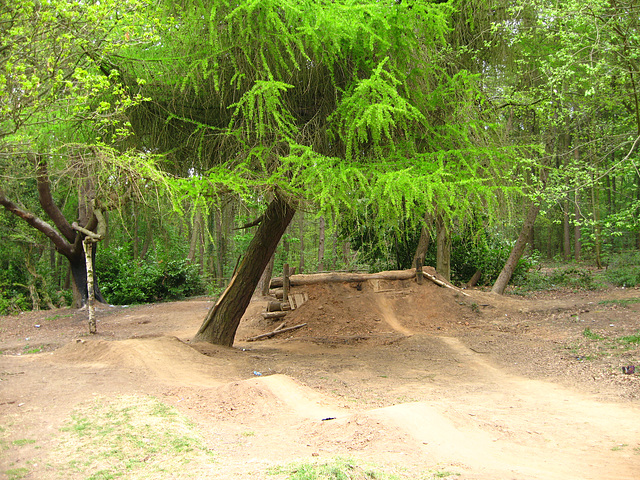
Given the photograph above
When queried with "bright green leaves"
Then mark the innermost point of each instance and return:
(373, 114)
(260, 112)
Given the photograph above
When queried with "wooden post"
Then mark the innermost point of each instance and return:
(419, 272)
(91, 298)
(285, 283)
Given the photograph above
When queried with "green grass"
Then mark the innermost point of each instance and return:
(56, 317)
(28, 349)
(630, 339)
(131, 437)
(587, 333)
(16, 473)
(340, 468)
(623, 302)
(23, 441)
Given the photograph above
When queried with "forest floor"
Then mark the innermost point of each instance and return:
(422, 381)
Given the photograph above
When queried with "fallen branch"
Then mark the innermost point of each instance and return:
(275, 332)
(444, 284)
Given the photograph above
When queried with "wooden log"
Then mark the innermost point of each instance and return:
(274, 307)
(275, 332)
(272, 315)
(309, 279)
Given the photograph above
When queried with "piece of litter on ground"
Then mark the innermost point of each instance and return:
(257, 374)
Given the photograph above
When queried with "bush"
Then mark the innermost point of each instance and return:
(624, 270)
(124, 281)
(568, 277)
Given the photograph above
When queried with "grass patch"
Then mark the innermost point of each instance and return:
(23, 441)
(16, 473)
(630, 339)
(132, 437)
(56, 317)
(587, 333)
(28, 349)
(625, 302)
(340, 468)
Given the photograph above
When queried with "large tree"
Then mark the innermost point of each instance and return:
(347, 104)
(58, 111)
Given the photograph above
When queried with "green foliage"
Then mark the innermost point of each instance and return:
(125, 281)
(573, 277)
(624, 269)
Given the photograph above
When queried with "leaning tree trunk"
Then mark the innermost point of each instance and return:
(221, 323)
(517, 250)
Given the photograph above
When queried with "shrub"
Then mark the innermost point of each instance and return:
(125, 281)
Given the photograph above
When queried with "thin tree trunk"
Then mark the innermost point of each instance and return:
(301, 225)
(195, 235)
(91, 308)
(566, 232)
(577, 242)
(221, 323)
(516, 251)
(265, 279)
(596, 225)
(321, 240)
(443, 254)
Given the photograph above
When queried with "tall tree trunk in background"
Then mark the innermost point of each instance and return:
(321, 240)
(196, 235)
(595, 197)
(265, 280)
(577, 242)
(516, 251)
(443, 254)
(301, 225)
(566, 232)
(423, 242)
(221, 323)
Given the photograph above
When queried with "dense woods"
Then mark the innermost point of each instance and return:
(208, 139)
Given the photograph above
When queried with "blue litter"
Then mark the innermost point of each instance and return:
(257, 374)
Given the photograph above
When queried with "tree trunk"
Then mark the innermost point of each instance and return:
(91, 307)
(595, 203)
(516, 251)
(265, 279)
(321, 240)
(577, 243)
(423, 243)
(566, 232)
(443, 254)
(301, 224)
(221, 323)
(79, 275)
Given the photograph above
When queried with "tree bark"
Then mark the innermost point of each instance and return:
(443, 255)
(321, 240)
(301, 224)
(577, 242)
(423, 243)
(516, 251)
(332, 277)
(221, 323)
(566, 232)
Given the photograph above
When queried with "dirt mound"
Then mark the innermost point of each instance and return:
(165, 357)
(374, 310)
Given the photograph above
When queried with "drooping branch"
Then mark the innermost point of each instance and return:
(61, 244)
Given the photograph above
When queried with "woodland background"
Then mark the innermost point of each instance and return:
(476, 116)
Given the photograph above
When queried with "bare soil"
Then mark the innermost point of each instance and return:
(412, 377)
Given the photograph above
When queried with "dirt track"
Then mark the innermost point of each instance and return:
(417, 377)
